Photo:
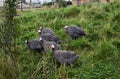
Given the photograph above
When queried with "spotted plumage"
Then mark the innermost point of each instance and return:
(74, 31)
(34, 45)
(49, 37)
(47, 45)
(45, 30)
(64, 56)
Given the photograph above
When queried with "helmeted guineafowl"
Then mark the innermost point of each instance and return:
(49, 37)
(42, 30)
(63, 56)
(74, 31)
(34, 45)
(47, 45)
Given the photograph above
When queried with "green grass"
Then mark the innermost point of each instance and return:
(99, 52)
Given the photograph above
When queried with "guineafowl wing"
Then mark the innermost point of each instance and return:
(47, 37)
(57, 40)
(47, 30)
(66, 57)
(70, 57)
(79, 31)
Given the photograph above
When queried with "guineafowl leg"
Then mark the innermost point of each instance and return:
(63, 73)
(58, 64)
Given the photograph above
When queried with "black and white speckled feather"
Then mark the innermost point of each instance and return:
(64, 57)
(34, 45)
(45, 30)
(74, 31)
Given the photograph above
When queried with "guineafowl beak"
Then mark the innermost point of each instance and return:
(65, 27)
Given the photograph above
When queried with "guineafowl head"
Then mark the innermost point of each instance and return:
(40, 39)
(65, 27)
(39, 31)
(53, 47)
(40, 28)
(26, 41)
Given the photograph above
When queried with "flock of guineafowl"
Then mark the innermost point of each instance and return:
(48, 41)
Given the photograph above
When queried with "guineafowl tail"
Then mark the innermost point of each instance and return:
(73, 59)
